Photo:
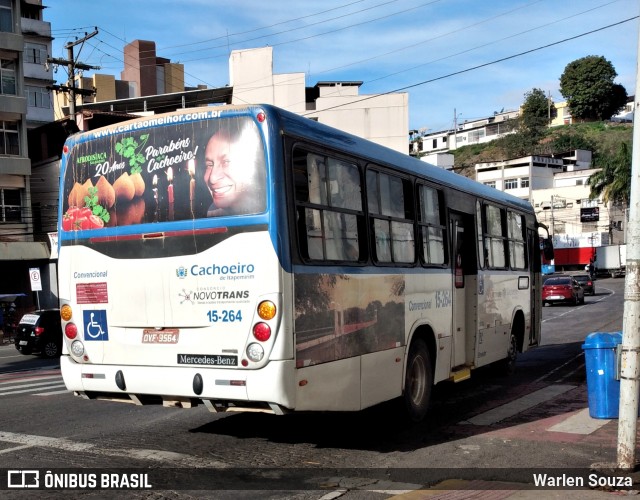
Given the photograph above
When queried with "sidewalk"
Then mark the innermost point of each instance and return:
(556, 431)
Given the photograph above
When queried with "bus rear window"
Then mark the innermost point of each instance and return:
(175, 172)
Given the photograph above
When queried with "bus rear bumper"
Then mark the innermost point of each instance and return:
(269, 389)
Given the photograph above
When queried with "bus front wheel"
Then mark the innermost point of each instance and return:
(418, 381)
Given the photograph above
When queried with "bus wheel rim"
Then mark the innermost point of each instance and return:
(417, 379)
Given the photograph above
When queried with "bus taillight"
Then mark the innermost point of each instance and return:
(71, 331)
(255, 353)
(266, 310)
(65, 312)
(262, 332)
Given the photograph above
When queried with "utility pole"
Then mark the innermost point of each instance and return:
(630, 349)
(72, 65)
(553, 220)
(455, 129)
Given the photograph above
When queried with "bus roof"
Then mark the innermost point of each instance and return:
(299, 126)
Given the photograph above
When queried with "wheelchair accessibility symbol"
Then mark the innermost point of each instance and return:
(95, 325)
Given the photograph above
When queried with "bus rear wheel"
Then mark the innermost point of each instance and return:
(507, 366)
(418, 381)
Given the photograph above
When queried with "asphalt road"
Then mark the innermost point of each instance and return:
(471, 425)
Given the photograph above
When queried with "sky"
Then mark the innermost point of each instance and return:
(457, 59)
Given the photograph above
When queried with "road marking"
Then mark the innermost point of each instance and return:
(169, 457)
(580, 423)
(557, 368)
(52, 385)
(519, 405)
(15, 448)
(29, 384)
(12, 356)
(53, 392)
(20, 379)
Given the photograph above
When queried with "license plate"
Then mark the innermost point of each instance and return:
(555, 297)
(168, 336)
(23, 342)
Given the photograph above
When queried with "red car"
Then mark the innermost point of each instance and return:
(562, 289)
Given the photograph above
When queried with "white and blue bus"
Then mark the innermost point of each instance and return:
(247, 258)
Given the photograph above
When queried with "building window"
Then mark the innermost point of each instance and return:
(38, 97)
(491, 184)
(435, 143)
(524, 182)
(9, 138)
(7, 76)
(6, 16)
(35, 53)
(10, 207)
(511, 184)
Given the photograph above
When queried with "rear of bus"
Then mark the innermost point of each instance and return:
(169, 276)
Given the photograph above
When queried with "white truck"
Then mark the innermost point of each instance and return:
(611, 259)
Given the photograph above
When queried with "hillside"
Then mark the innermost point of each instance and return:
(602, 138)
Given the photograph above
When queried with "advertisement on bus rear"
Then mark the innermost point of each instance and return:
(174, 172)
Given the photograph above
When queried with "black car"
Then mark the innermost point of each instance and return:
(586, 283)
(40, 331)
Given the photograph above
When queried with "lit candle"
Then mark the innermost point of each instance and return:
(191, 167)
(170, 191)
(170, 186)
(155, 194)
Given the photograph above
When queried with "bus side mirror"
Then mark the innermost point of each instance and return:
(547, 249)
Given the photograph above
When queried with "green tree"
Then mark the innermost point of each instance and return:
(613, 181)
(587, 85)
(536, 109)
(569, 141)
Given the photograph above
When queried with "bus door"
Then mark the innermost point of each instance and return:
(464, 286)
(535, 285)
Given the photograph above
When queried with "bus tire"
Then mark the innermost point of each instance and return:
(507, 365)
(418, 381)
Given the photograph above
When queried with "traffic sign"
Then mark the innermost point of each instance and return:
(36, 282)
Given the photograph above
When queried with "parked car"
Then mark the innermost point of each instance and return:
(560, 289)
(586, 283)
(40, 331)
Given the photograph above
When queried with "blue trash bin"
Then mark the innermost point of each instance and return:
(602, 387)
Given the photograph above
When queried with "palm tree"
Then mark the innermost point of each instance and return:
(613, 181)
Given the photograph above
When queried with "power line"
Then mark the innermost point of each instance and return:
(472, 68)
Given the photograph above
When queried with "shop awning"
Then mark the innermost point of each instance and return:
(10, 297)
(23, 250)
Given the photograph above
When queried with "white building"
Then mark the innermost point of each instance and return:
(558, 188)
(383, 119)
(469, 132)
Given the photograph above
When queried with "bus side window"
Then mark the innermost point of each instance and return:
(382, 240)
(329, 207)
(495, 237)
(432, 229)
(515, 231)
(390, 205)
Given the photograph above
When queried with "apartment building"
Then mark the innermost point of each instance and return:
(25, 42)
(467, 133)
(558, 188)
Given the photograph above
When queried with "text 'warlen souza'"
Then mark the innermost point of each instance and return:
(567, 481)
